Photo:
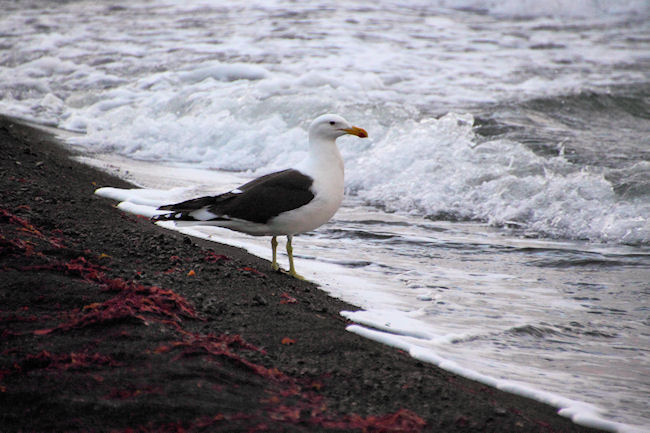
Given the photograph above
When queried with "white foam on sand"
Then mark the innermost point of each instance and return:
(579, 412)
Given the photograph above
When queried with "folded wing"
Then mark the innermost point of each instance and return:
(257, 201)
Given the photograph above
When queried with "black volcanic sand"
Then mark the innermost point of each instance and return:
(110, 323)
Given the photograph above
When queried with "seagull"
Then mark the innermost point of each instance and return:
(283, 203)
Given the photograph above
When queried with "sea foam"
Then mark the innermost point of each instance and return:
(236, 91)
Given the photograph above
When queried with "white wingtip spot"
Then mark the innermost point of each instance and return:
(202, 214)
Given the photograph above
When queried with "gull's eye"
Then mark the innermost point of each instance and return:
(332, 122)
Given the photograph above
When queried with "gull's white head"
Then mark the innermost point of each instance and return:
(332, 126)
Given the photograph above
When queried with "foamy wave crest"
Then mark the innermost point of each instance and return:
(433, 167)
(238, 96)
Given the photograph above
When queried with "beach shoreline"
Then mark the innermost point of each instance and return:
(111, 323)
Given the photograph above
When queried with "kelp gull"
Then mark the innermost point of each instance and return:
(286, 202)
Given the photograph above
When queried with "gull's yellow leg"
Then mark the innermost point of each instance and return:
(274, 247)
(292, 269)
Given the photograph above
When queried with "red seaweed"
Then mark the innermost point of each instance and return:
(289, 403)
(78, 267)
(27, 227)
(287, 299)
(286, 400)
(252, 271)
(16, 220)
(16, 246)
(401, 421)
(67, 361)
(220, 346)
(212, 257)
(132, 301)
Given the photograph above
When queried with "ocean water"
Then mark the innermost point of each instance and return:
(496, 221)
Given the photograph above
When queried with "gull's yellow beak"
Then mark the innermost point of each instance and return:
(359, 132)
